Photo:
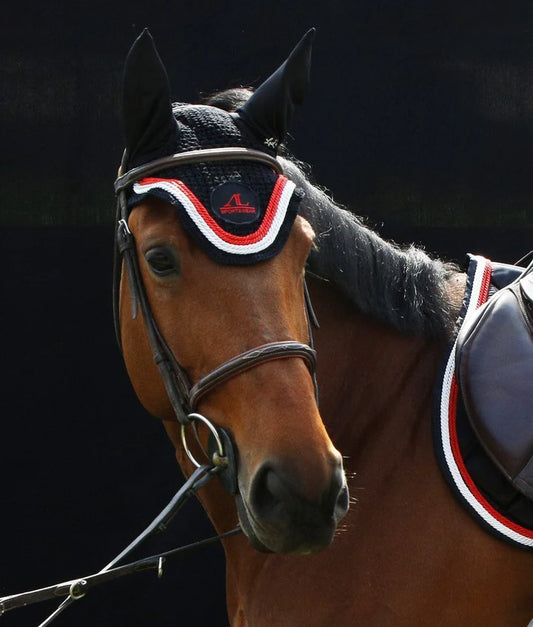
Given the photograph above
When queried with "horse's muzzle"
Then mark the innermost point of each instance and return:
(277, 518)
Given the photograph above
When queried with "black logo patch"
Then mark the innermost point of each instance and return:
(235, 203)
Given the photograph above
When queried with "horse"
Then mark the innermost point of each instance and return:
(283, 322)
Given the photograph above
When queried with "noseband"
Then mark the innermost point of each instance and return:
(183, 396)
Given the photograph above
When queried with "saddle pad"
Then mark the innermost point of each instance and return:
(476, 480)
(494, 358)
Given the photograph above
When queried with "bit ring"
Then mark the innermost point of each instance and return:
(192, 417)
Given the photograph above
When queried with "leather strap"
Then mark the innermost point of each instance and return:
(250, 359)
(196, 156)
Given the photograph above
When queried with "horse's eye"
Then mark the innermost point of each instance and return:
(162, 261)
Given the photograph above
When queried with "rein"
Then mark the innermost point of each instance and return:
(76, 589)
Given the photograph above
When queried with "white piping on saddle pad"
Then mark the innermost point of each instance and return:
(449, 384)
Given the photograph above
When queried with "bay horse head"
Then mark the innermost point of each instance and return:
(214, 264)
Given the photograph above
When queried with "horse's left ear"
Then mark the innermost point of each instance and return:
(270, 108)
(146, 106)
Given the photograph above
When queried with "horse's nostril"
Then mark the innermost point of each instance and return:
(336, 502)
(268, 492)
(342, 504)
(273, 484)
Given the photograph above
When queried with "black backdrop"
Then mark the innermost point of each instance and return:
(419, 111)
(419, 117)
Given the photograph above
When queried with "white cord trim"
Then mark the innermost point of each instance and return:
(463, 488)
(207, 231)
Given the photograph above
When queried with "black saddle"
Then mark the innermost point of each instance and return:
(494, 369)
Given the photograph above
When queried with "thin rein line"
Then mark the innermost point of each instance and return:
(75, 589)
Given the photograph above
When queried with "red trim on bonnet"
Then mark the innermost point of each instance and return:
(230, 238)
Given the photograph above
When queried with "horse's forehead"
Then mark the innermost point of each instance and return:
(153, 215)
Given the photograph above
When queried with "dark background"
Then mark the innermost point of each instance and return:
(419, 117)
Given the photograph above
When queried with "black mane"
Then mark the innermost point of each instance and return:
(403, 288)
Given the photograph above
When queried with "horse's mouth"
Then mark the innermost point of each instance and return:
(248, 528)
(303, 534)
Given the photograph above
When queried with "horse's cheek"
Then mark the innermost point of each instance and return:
(143, 372)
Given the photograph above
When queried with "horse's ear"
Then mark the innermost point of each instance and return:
(270, 108)
(147, 117)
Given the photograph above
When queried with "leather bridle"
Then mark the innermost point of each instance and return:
(183, 396)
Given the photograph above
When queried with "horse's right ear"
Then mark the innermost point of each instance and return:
(270, 108)
(147, 117)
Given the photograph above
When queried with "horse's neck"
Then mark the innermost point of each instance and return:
(376, 385)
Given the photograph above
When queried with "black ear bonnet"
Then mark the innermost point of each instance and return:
(238, 212)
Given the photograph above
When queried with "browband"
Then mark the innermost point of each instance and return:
(195, 156)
